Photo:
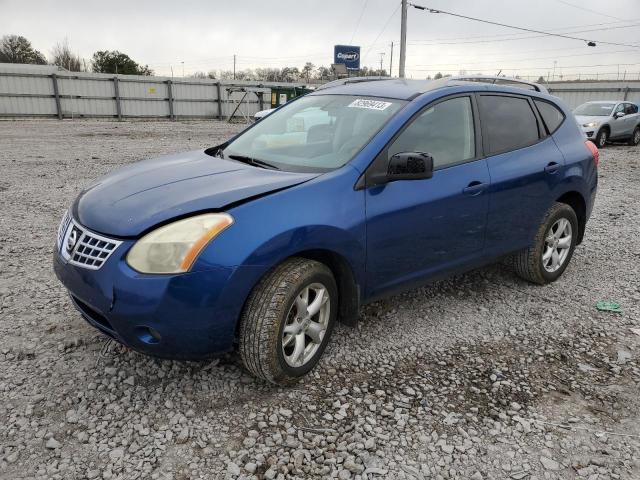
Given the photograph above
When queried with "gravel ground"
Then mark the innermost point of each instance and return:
(481, 376)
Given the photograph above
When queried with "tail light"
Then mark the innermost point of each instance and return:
(594, 152)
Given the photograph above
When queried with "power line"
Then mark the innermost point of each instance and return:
(364, 7)
(526, 59)
(589, 42)
(520, 37)
(382, 31)
(585, 9)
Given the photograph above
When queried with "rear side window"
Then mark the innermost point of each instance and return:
(551, 115)
(631, 109)
(508, 123)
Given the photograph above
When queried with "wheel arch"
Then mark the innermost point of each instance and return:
(348, 288)
(577, 202)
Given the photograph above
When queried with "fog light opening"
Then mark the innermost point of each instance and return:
(148, 335)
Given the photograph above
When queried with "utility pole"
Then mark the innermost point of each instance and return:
(234, 66)
(182, 68)
(381, 59)
(391, 61)
(403, 38)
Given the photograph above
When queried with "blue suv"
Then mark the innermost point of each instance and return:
(336, 199)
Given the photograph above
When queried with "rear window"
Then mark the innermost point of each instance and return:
(551, 115)
(507, 122)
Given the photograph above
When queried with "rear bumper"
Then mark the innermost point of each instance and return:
(187, 316)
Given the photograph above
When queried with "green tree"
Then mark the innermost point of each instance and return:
(106, 61)
(17, 49)
(437, 76)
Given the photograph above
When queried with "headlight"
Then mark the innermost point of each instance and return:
(590, 124)
(175, 247)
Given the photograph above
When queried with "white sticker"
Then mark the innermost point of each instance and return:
(370, 104)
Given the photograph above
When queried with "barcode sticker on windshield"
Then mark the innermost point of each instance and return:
(370, 104)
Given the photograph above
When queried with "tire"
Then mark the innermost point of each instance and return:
(531, 264)
(635, 137)
(602, 137)
(278, 301)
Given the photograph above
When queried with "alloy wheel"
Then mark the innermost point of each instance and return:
(636, 137)
(557, 245)
(306, 324)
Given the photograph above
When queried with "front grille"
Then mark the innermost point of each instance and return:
(84, 248)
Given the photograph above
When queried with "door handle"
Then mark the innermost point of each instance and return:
(552, 168)
(474, 188)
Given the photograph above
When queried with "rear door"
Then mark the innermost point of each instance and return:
(525, 166)
(631, 117)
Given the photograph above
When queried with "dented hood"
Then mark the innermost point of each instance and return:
(133, 199)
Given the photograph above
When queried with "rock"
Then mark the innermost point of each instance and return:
(251, 467)
(477, 476)
(53, 444)
(249, 442)
(71, 416)
(233, 469)
(550, 464)
(448, 449)
(116, 454)
(183, 436)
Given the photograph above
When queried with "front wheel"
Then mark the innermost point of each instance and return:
(635, 137)
(602, 137)
(287, 321)
(547, 258)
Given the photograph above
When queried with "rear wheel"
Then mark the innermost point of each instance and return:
(547, 258)
(602, 137)
(287, 321)
(635, 137)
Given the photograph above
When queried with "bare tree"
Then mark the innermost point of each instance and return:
(62, 56)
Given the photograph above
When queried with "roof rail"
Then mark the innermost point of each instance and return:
(500, 80)
(345, 81)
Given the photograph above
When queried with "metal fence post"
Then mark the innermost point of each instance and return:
(170, 92)
(626, 92)
(56, 94)
(220, 116)
(116, 90)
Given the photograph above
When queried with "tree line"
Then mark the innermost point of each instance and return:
(17, 49)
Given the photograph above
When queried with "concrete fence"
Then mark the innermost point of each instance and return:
(50, 92)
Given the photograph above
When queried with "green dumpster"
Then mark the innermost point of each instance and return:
(281, 95)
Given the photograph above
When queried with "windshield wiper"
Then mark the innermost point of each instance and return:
(253, 161)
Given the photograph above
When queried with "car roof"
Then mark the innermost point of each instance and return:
(605, 102)
(405, 89)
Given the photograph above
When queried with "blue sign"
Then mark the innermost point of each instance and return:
(348, 55)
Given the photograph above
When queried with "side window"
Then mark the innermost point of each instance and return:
(619, 108)
(508, 123)
(631, 109)
(551, 115)
(445, 131)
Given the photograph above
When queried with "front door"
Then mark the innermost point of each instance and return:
(417, 228)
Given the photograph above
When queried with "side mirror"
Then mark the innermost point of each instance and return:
(410, 166)
(402, 166)
(619, 114)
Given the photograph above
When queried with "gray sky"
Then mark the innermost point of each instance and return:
(206, 34)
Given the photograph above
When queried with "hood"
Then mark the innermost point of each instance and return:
(135, 198)
(582, 119)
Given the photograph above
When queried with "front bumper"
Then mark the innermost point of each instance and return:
(590, 132)
(187, 316)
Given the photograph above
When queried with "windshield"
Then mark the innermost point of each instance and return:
(316, 133)
(594, 109)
